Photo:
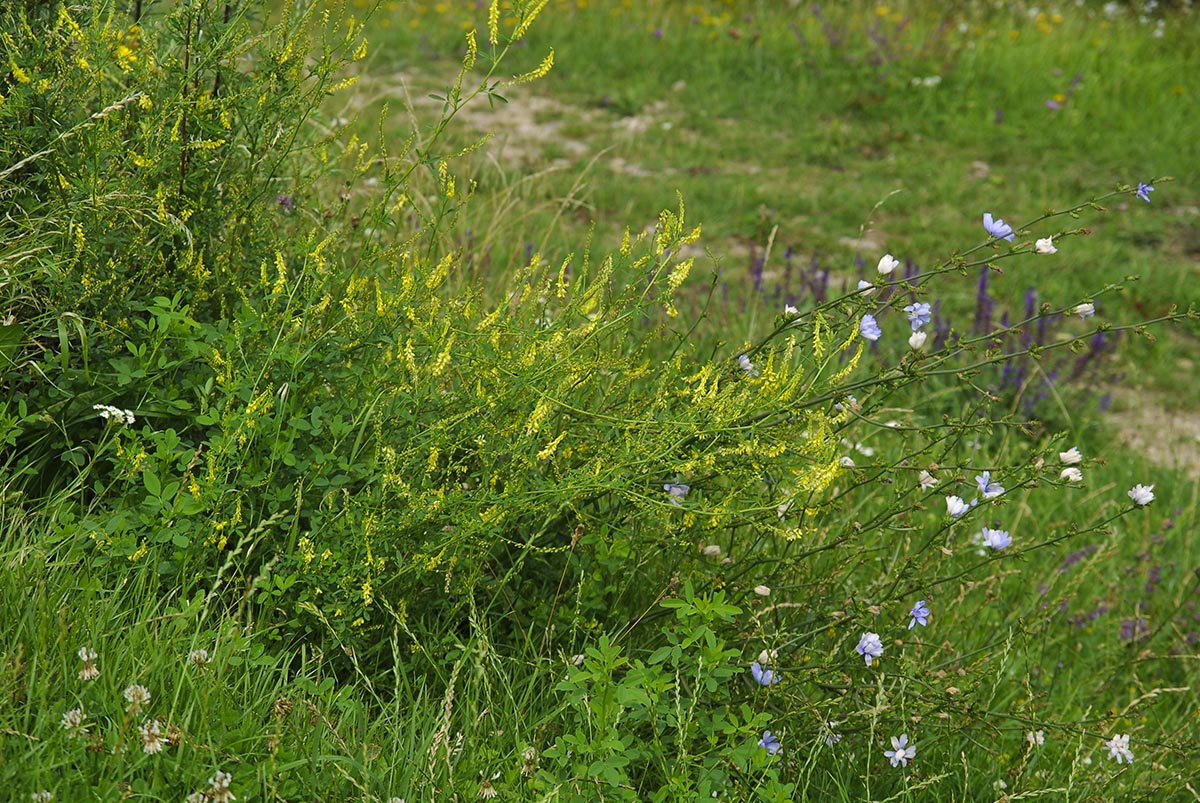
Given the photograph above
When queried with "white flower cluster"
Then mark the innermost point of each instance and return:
(115, 413)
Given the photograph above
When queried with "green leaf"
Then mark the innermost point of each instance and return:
(10, 344)
(152, 483)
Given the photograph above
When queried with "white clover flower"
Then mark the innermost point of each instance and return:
(152, 740)
(901, 751)
(137, 696)
(1118, 748)
(529, 762)
(74, 722)
(762, 591)
(1071, 457)
(198, 657)
(1071, 474)
(956, 507)
(196, 797)
(218, 791)
(1085, 310)
(1045, 246)
(90, 671)
(916, 340)
(1142, 495)
(887, 264)
(44, 796)
(1036, 738)
(926, 480)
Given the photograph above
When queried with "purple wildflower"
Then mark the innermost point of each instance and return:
(997, 227)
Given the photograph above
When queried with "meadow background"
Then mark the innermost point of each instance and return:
(372, 433)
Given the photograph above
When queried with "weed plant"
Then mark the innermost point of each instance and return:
(295, 507)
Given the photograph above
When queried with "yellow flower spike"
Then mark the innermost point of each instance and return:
(472, 50)
(494, 22)
(537, 72)
(548, 451)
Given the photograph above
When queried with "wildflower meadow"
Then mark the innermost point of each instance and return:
(599, 400)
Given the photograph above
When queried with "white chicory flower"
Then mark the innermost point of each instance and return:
(1045, 246)
(1118, 748)
(888, 264)
(1071, 457)
(956, 507)
(1142, 495)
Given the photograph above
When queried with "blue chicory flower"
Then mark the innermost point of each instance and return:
(1143, 191)
(870, 647)
(869, 329)
(989, 489)
(919, 314)
(997, 228)
(996, 539)
(769, 743)
(919, 614)
(676, 491)
(747, 366)
(762, 675)
(901, 751)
